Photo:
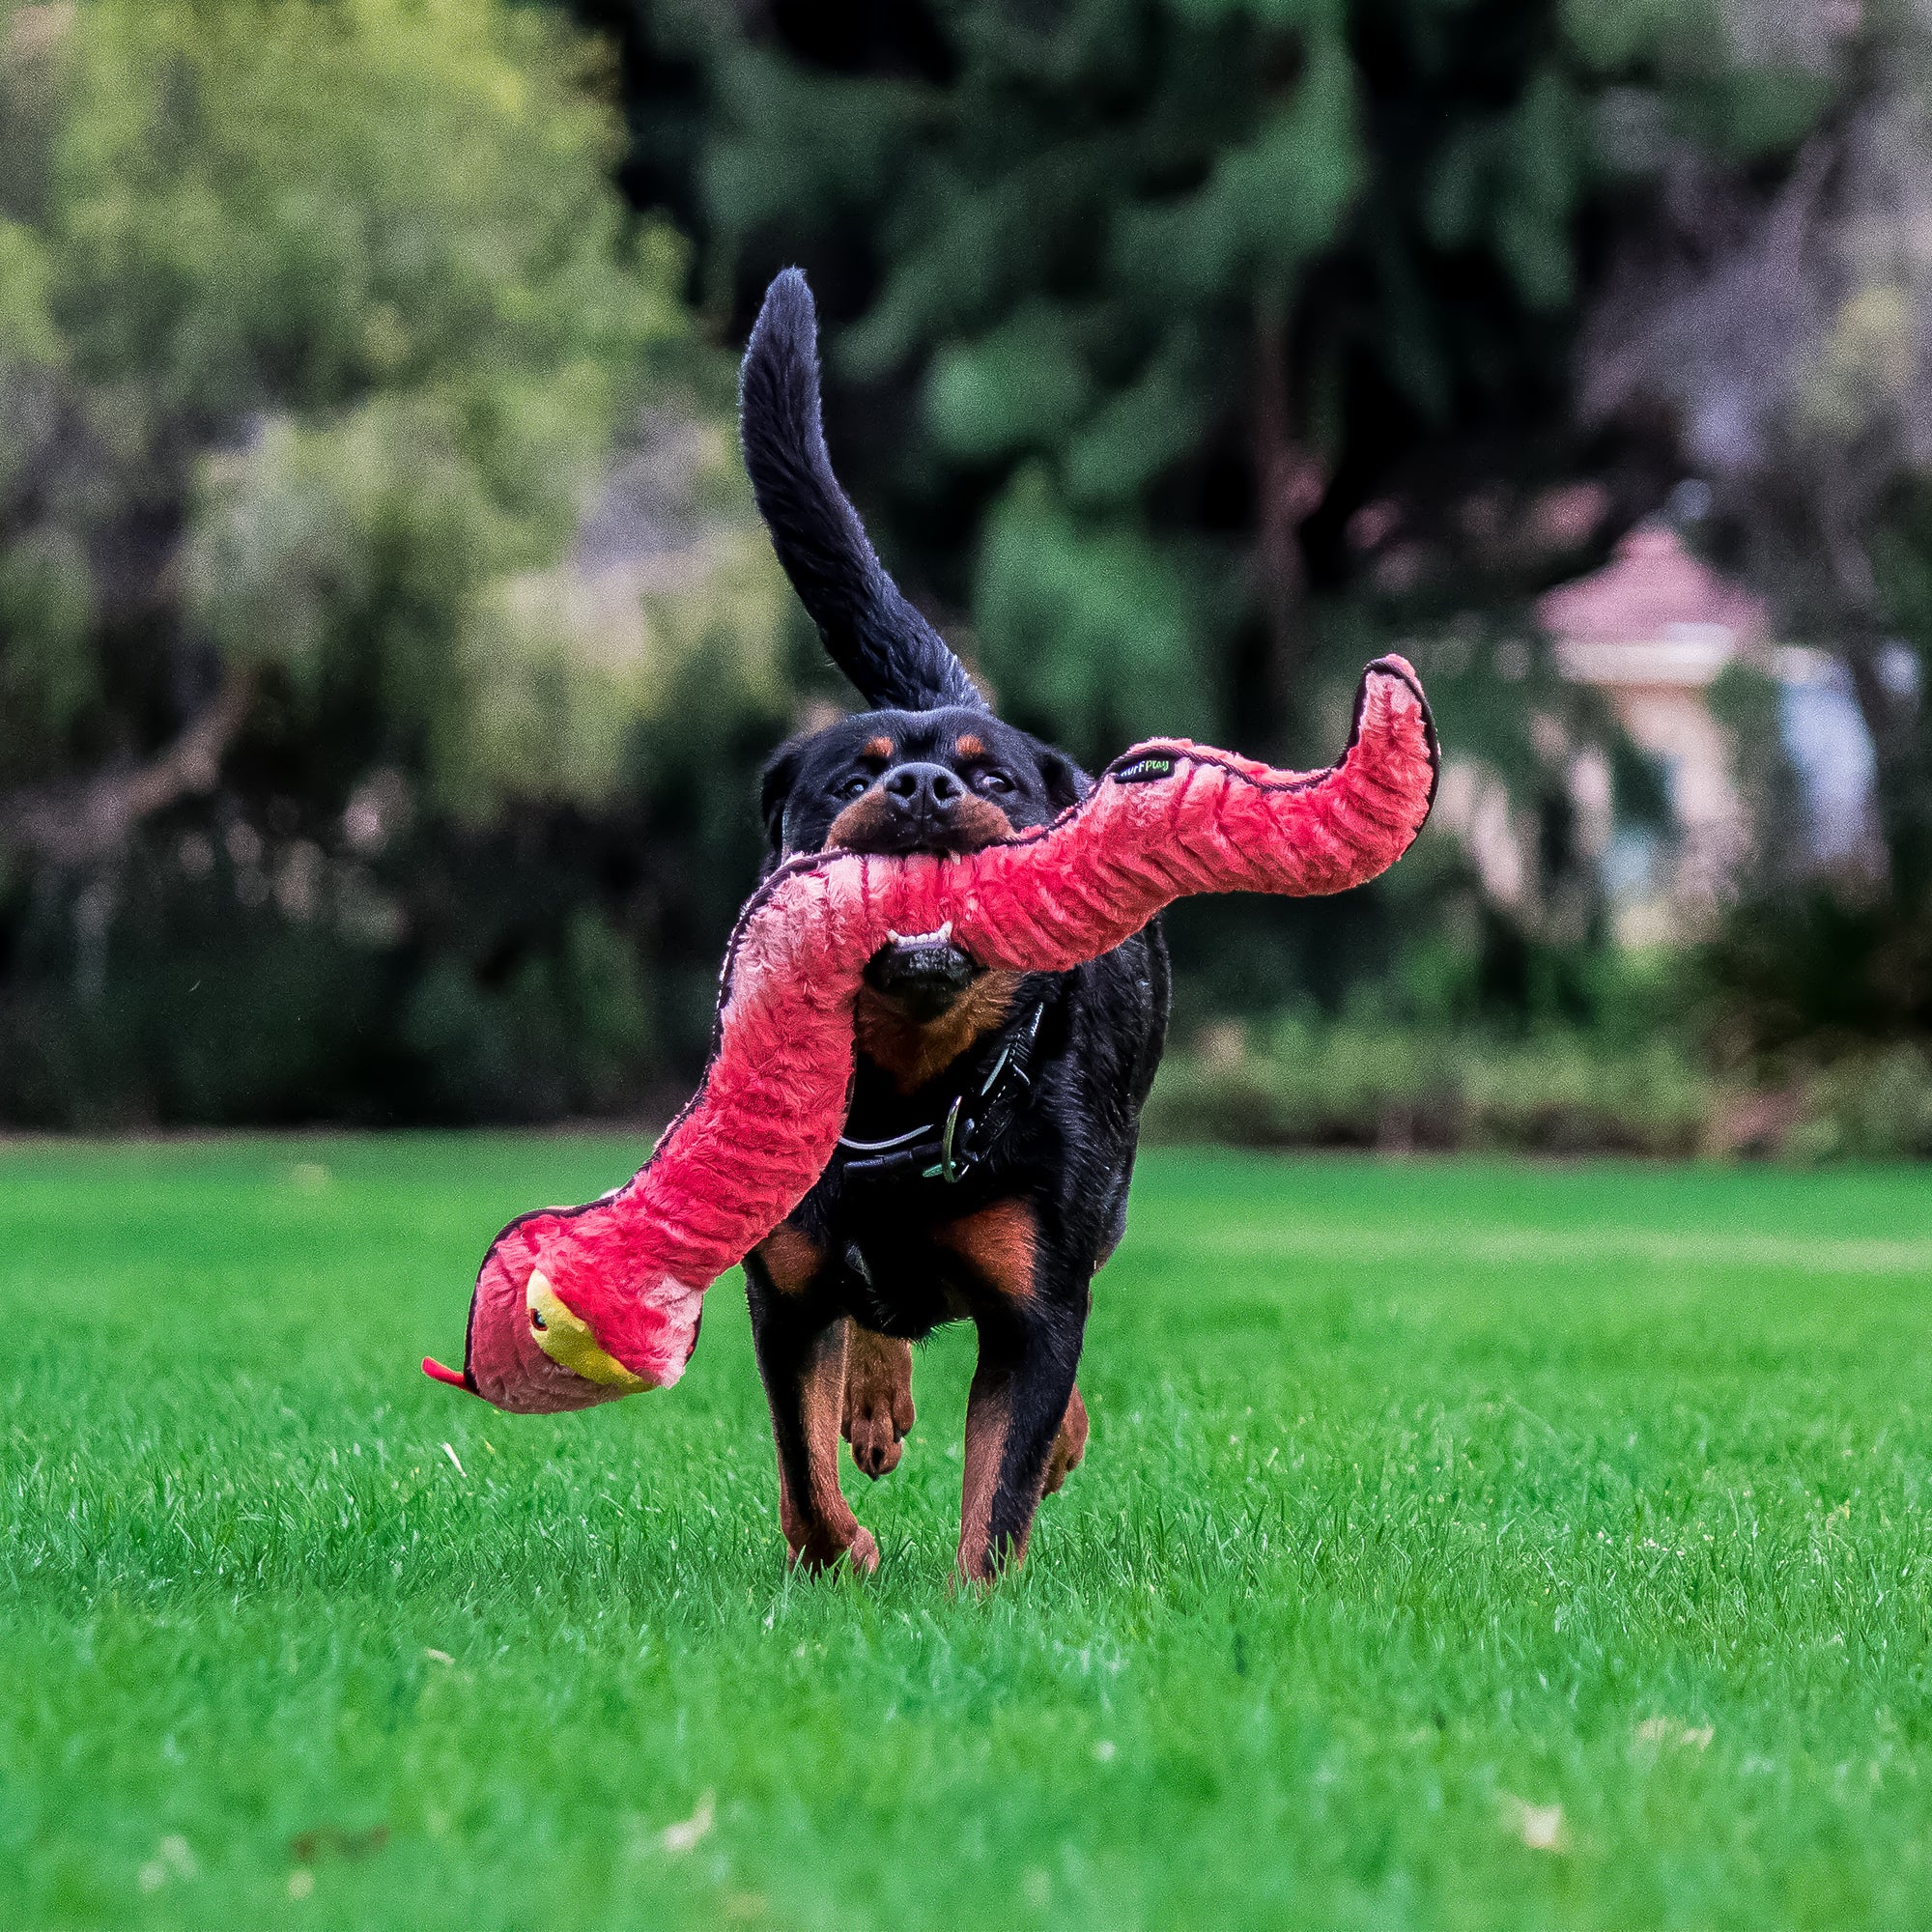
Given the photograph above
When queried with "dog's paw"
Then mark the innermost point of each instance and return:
(877, 1439)
(819, 1555)
(878, 1401)
(1068, 1447)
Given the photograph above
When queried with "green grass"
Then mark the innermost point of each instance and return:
(1423, 1501)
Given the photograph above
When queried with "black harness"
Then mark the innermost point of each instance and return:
(949, 1149)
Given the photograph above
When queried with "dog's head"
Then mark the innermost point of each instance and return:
(936, 771)
(948, 780)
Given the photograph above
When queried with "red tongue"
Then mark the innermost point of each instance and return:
(437, 1373)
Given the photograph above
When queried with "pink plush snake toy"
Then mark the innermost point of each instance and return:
(580, 1305)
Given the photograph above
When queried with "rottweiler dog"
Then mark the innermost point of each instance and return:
(983, 1171)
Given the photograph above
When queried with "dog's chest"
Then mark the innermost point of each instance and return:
(911, 1053)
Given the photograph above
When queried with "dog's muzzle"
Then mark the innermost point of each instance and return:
(923, 974)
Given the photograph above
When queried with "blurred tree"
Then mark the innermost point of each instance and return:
(335, 584)
(385, 641)
(1777, 326)
(1148, 300)
(1164, 282)
(1187, 349)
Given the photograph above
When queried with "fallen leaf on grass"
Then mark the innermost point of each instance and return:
(685, 1836)
(1539, 1827)
(332, 1841)
(437, 1656)
(1668, 1731)
(172, 1860)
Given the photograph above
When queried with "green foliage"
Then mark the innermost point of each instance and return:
(343, 295)
(556, 1037)
(1063, 210)
(1829, 968)
(1084, 629)
(1874, 1107)
(1133, 305)
(1745, 701)
(1824, 966)
(1269, 203)
(355, 446)
(1902, 556)
(1087, 233)
(1370, 1081)
(48, 676)
(1417, 1497)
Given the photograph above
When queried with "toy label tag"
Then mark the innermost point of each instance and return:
(1143, 770)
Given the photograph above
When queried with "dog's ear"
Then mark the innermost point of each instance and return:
(894, 657)
(1065, 782)
(774, 787)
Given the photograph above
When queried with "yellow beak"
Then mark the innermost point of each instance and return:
(567, 1339)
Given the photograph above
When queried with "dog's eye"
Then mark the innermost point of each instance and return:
(991, 781)
(855, 787)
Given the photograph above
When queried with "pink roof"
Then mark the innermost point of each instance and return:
(1650, 588)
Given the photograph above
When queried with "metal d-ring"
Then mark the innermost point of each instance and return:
(948, 1170)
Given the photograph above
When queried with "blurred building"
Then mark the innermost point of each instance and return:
(1653, 630)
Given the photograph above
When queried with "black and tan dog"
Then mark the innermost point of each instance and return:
(985, 1167)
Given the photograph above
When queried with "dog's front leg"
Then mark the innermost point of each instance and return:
(1026, 1425)
(1021, 1404)
(800, 1347)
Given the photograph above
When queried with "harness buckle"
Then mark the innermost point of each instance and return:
(964, 1139)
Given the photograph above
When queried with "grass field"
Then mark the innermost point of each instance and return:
(1461, 1544)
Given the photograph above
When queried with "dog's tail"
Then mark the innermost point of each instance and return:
(878, 638)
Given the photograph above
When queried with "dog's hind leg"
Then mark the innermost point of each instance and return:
(878, 1410)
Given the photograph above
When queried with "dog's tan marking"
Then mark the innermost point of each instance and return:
(913, 1052)
(878, 747)
(970, 746)
(861, 823)
(791, 1259)
(988, 1417)
(988, 1420)
(866, 825)
(998, 1242)
(978, 822)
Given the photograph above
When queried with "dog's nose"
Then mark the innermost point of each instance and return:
(925, 790)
